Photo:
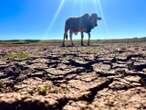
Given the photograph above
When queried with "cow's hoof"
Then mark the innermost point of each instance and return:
(82, 45)
(72, 45)
(62, 45)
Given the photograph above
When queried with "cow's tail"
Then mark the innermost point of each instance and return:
(66, 31)
(66, 35)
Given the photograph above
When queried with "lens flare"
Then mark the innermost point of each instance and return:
(98, 7)
(56, 14)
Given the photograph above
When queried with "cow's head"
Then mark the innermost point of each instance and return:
(93, 19)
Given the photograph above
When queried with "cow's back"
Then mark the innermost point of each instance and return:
(76, 24)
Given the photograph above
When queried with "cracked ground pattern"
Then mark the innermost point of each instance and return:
(102, 77)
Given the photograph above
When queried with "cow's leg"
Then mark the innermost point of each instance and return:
(82, 36)
(89, 35)
(71, 38)
(63, 42)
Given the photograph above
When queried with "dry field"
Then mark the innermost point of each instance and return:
(45, 76)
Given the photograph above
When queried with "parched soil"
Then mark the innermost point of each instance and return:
(110, 76)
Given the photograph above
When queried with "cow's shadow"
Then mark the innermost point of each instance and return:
(78, 46)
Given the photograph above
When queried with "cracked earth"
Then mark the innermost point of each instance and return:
(102, 77)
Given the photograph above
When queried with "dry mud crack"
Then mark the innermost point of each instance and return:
(74, 78)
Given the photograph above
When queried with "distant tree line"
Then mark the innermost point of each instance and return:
(19, 41)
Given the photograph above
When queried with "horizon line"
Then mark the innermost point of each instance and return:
(74, 39)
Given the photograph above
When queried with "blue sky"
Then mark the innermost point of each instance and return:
(44, 19)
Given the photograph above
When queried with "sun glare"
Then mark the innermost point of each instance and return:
(56, 14)
(99, 8)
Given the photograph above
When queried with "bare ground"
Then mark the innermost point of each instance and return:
(107, 76)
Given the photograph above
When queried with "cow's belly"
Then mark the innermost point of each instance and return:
(76, 30)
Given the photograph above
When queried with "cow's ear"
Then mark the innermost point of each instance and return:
(94, 15)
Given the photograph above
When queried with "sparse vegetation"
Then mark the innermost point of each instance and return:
(42, 90)
(130, 65)
(17, 55)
